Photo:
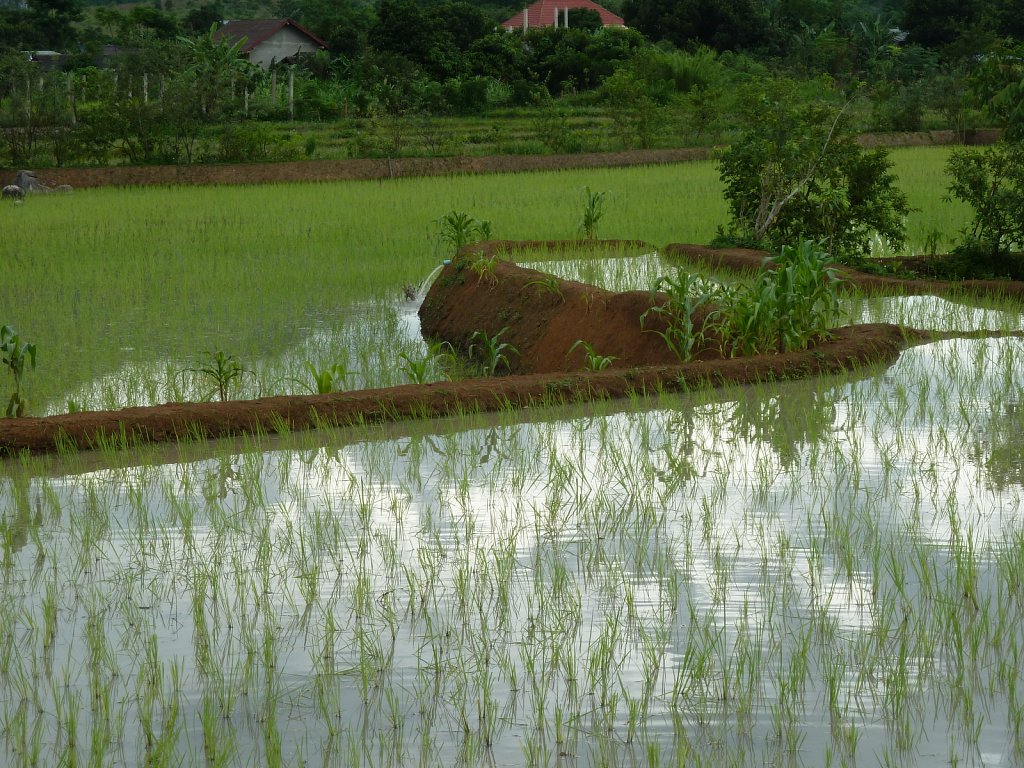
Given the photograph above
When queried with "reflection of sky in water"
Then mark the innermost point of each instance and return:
(383, 330)
(637, 273)
(931, 312)
(894, 446)
(745, 519)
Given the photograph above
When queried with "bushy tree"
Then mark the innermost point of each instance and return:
(997, 85)
(342, 24)
(991, 181)
(585, 18)
(796, 172)
(720, 24)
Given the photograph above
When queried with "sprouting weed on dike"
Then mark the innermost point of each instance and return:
(418, 368)
(595, 361)
(222, 370)
(325, 380)
(491, 351)
(483, 267)
(549, 283)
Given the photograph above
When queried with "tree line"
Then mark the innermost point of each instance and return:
(678, 67)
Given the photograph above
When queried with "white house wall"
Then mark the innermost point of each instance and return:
(282, 44)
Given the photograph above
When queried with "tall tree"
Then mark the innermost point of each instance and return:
(40, 24)
(55, 19)
(719, 24)
(342, 24)
(936, 23)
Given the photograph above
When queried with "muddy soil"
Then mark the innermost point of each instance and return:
(339, 170)
(385, 168)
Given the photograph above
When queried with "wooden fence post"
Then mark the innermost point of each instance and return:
(291, 93)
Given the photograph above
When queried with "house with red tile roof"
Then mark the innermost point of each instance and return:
(555, 13)
(270, 41)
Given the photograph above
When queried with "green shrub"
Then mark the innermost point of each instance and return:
(991, 181)
(255, 142)
(796, 171)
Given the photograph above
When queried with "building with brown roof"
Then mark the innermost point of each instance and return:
(555, 13)
(270, 41)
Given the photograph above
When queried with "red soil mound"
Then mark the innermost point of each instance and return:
(541, 318)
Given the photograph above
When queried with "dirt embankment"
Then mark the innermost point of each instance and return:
(386, 168)
(543, 316)
(340, 170)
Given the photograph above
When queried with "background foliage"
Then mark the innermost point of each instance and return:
(146, 82)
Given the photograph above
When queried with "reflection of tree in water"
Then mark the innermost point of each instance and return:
(236, 478)
(220, 480)
(786, 423)
(686, 455)
(19, 518)
(998, 445)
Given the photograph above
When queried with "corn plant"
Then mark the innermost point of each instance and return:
(491, 351)
(325, 380)
(595, 361)
(458, 229)
(222, 370)
(13, 354)
(686, 294)
(787, 308)
(593, 211)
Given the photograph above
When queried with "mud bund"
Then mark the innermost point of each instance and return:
(541, 317)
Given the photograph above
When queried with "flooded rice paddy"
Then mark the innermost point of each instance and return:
(828, 572)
